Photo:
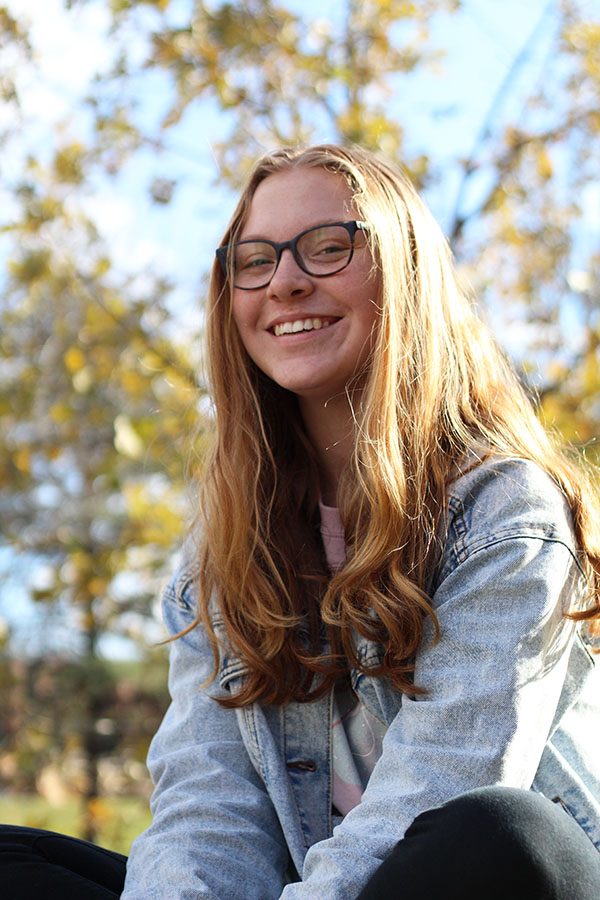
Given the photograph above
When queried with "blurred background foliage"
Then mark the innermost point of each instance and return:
(103, 413)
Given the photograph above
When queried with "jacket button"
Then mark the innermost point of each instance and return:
(304, 765)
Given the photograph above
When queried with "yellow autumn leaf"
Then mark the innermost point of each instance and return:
(591, 374)
(544, 166)
(68, 163)
(97, 586)
(136, 500)
(133, 382)
(60, 413)
(22, 460)
(74, 359)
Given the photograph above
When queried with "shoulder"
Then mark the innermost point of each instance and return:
(506, 511)
(509, 497)
(508, 537)
(180, 593)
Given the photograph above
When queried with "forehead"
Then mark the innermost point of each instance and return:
(287, 202)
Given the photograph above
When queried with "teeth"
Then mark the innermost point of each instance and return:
(300, 325)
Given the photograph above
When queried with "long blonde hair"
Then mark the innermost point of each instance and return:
(437, 388)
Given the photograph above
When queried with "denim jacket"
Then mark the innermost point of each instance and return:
(243, 797)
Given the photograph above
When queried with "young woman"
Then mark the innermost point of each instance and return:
(380, 667)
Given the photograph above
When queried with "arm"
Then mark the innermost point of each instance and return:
(214, 833)
(493, 681)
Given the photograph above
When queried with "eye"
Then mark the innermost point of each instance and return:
(325, 245)
(331, 247)
(253, 256)
(255, 262)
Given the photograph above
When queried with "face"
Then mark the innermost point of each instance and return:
(316, 363)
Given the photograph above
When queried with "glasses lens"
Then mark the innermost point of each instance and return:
(325, 250)
(253, 263)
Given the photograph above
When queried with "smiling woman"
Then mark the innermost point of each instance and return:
(381, 667)
(297, 286)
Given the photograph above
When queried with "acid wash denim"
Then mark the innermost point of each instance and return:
(513, 698)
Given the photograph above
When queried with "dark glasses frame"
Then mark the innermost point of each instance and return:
(223, 253)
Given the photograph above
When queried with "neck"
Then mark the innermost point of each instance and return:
(331, 431)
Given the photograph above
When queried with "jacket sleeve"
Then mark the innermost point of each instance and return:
(493, 680)
(214, 832)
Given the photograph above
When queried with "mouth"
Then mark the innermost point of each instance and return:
(296, 326)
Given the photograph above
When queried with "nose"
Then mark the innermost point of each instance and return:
(289, 280)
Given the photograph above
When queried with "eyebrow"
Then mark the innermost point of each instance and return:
(261, 237)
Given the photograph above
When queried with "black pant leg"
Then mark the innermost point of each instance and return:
(493, 843)
(43, 865)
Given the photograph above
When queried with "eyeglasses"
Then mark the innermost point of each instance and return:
(319, 251)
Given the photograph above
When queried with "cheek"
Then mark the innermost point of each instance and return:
(370, 319)
(366, 300)
(244, 323)
(242, 314)
(236, 310)
(365, 279)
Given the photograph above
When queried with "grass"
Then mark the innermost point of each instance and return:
(118, 819)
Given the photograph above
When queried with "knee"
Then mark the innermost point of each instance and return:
(493, 843)
(506, 833)
(500, 817)
(499, 809)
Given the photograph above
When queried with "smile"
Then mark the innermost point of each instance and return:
(301, 325)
